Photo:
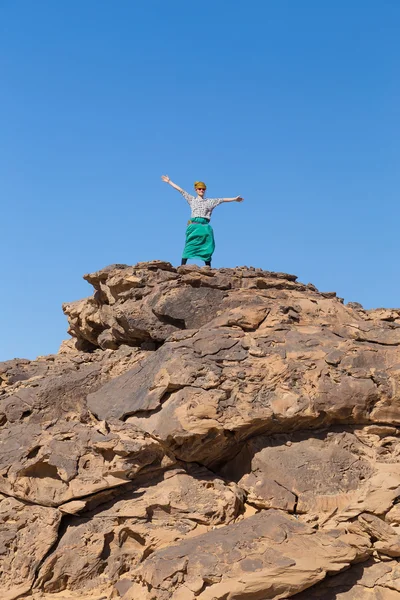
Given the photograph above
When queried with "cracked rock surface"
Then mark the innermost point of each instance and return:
(226, 434)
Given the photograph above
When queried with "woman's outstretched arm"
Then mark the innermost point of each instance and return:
(167, 180)
(237, 199)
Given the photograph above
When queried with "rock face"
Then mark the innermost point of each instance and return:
(205, 434)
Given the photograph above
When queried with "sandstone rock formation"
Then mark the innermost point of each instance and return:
(205, 434)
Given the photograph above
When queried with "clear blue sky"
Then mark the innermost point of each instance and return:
(292, 104)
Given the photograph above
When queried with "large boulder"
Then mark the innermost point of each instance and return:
(226, 434)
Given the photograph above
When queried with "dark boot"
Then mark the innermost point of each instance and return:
(184, 261)
(208, 263)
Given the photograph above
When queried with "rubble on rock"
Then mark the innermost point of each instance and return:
(205, 434)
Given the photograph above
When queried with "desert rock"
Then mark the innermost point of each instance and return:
(264, 556)
(226, 434)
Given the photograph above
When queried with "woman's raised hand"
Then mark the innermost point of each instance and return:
(171, 183)
(239, 199)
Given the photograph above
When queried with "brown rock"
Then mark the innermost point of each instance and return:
(57, 385)
(152, 300)
(288, 395)
(274, 381)
(371, 580)
(266, 556)
(387, 541)
(99, 547)
(317, 473)
(68, 460)
(27, 532)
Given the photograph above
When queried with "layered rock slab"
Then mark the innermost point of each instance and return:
(104, 544)
(64, 461)
(205, 391)
(265, 556)
(270, 355)
(330, 474)
(149, 301)
(56, 386)
(371, 580)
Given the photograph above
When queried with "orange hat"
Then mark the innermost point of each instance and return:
(201, 184)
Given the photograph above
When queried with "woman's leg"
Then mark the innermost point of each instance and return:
(208, 263)
(184, 261)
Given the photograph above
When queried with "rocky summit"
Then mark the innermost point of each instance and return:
(205, 434)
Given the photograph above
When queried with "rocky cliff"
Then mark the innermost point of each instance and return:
(205, 434)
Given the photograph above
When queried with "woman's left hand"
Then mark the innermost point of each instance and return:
(239, 199)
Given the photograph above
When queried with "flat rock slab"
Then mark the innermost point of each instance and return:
(370, 580)
(265, 556)
(310, 472)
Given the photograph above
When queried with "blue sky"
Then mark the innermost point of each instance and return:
(293, 105)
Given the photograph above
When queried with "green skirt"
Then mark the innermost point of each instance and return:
(199, 240)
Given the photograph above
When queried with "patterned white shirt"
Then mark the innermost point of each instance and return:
(201, 207)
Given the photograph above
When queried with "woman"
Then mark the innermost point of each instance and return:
(199, 233)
